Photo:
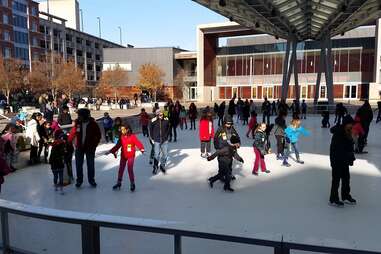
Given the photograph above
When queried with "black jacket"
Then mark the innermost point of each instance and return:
(222, 137)
(225, 156)
(280, 126)
(57, 154)
(341, 150)
(260, 140)
(159, 129)
(64, 119)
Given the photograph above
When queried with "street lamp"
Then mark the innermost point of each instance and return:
(99, 26)
(120, 35)
(81, 11)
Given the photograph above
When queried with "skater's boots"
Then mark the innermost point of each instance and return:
(132, 187)
(336, 203)
(228, 188)
(155, 166)
(349, 200)
(117, 186)
(162, 169)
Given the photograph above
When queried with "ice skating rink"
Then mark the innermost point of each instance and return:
(290, 201)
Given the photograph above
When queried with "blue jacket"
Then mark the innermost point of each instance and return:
(293, 134)
(107, 122)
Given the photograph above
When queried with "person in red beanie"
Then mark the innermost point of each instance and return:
(206, 133)
(128, 142)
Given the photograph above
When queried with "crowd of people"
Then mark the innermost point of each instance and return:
(57, 146)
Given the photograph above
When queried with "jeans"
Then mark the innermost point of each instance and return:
(145, 130)
(287, 151)
(130, 168)
(58, 176)
(205, 147)
(192, 124)
(161, 152)
(43, 146)
(183, 122)
(79, 157)
(220, 120)
(108, 134)
(279, 145)
(174, 129)
(266, 116)
(340, 173)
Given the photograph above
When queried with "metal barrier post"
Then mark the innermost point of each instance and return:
(281, 250)
(90, 239)
(178, 244)
(5, 231)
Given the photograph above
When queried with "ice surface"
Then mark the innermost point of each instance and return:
(289, 201)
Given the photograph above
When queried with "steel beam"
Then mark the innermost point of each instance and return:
(285, 68)
(329, 70)
(321, 67)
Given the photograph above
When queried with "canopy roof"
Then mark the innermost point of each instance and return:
(299, 19)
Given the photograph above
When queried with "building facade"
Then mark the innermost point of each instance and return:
(19, 23)
(67, 9)
(178, 66)
(86, 50)
(250, 65)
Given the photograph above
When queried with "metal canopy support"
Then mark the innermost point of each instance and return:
(329, 70)
(296, 78)
(321, 69)
(290, 69)
(285, 69)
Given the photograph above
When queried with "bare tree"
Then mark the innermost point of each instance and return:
(12, 73)
(70, 79)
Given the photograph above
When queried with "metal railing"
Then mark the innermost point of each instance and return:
(91, 224)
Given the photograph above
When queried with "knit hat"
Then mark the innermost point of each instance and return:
(348, 120)
(235, 139)
(84, 113)
(228, 119)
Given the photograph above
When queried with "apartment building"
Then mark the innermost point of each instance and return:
(85, 49)
(19, 34)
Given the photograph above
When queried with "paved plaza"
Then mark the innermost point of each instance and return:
(289, 201)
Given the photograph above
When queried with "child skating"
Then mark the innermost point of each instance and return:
(56, 160)
(292, 136)
(206, 133)
(128, 143)
(260, 144)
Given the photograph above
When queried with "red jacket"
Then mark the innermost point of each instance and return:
(206, 130)
(144, 119)
(93, 136)
(128, 143)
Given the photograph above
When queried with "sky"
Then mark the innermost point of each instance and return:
(148, 23)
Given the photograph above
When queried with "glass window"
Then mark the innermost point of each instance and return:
(20, 21)
(6, 52)
(19, 7)
(343, 61)
(21, 53)
(231, 66)
(6, 36)
(5, 19)
(34, 11)
(34, 27)
(21, 37)
(4, 3)
(258, 65)
(304, 92)
(35, 42)
(322, 92)
(347, 91)
(354, 60)
(254, 94)
(354, 92)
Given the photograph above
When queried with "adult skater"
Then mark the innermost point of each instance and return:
(221, 113)
(231, 107)
(341, 157)
(279, 127)
(86, 136)
(340, 112)
(304, 109)
(224, 133)
(366, 117)
(159, 131)
(379, 112)
(266, 110)
(225, 162)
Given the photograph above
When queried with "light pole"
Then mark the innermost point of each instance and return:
(99, 26)
(120, 35)
(81, 11)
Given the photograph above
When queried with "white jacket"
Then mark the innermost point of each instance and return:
(31, 133)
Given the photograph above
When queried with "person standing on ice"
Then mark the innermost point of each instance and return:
(292, 137)
(224, 133)
(225, 162)
(128, 142)
(206, 132)
(259, 145)
(86, 134)
(341, 156)
(159, 131)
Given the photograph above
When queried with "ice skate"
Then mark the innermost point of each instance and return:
(350, 201)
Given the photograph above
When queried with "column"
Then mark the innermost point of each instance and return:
(285, 69)
(321, 68)
(329, 70)
(377, 60)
